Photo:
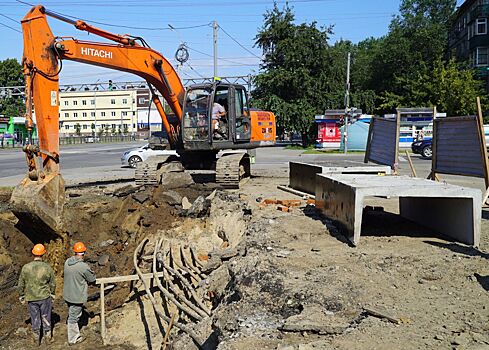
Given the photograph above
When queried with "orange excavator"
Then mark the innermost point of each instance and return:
(39, 198)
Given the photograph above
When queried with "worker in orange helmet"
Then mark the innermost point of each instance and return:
(37, 286)
(77, 276)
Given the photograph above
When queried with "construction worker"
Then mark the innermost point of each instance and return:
(37, 286)
(77, 276)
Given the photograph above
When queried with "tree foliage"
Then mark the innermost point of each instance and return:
(11, 75)
(302, 75)
(294, 79)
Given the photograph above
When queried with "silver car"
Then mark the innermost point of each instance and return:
(134, 156)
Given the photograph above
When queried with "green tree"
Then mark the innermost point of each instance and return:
(453, 89)
(11, 75)
(417, 38)
(293, 79)
(77, 129)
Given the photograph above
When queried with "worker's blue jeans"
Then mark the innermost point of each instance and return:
(40, 312)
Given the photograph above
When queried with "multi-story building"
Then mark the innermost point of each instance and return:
(95, 111)
(469, 36)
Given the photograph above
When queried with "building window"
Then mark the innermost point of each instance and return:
(67, 127)
(481, 26)
(133, 112)
(92, 114)
(75, 103)
(112, 114)
(124, 101)
(75, 115)
(84, 102)
(112, 101)
(124, 114)
(482, 56)
(66, 103)
(84, 114)
(67, 115)
(92, 102)
(103, 126)
(134, 126)
(142, 100)
(102, 114)
(113, 126)
(85, 126)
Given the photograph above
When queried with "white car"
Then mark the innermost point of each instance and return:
(133, 157)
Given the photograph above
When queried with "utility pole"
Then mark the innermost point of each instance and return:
(214, 32)
(347, 104)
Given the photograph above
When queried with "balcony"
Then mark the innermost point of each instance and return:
(479, 11)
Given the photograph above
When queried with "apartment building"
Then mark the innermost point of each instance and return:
(112, 111)
(469, 36)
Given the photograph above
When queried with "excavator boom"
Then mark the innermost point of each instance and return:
(39, 199)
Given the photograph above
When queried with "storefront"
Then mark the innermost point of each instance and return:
(13, 130)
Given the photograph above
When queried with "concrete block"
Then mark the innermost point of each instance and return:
(449, 210)
(302, 176)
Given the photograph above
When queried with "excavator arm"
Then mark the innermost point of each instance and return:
(38, 200)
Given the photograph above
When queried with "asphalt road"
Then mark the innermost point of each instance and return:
(91, 162)
(78, 162)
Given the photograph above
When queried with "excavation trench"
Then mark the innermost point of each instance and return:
(112, 220)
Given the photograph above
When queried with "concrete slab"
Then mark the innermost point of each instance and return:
(302, 176)
(449, 210)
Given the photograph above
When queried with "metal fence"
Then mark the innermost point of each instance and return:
(71, 140)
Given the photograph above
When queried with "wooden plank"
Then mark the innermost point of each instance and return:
(411, 165)
(433, 146)
(369, 139)
(483, 145)
(102, 312)
(117, 279)
(398, 131)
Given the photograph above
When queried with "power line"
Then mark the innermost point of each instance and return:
(6, 25)
(10, 18)
(192, 68)
(237, 42)
(120, 25)
(221, 58)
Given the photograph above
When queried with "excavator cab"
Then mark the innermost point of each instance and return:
(203, 130)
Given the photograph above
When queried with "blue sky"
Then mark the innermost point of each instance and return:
(354, 20)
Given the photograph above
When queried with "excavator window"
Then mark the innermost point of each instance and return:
(196, 118)
(243, 129)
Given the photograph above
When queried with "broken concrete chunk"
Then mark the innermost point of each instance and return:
(313, 319)
(125, 191)
(176, 180)
(186, 205)
(199, 208)
(103, 260)
(224, 254)
(106, 243)
(141, 197)
(212, 195)
(212, 264)
(218, 280)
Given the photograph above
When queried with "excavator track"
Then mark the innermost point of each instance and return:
(231, 169)
(146, 172)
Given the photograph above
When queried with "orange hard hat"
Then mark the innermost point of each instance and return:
(79, 247)
(38, 250)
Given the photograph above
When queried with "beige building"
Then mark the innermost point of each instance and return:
(95, 111)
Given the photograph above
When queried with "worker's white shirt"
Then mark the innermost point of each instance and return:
(216, 109)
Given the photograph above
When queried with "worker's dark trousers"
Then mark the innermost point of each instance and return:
(40, 312)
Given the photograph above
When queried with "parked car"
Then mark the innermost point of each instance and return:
(134, 156)
(422, 147)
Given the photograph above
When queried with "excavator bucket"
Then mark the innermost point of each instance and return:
(39, 206)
